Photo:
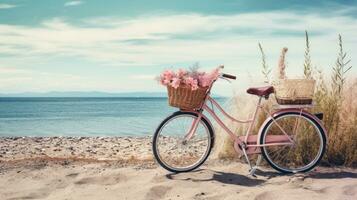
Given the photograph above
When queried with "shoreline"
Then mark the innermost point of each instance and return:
(95, 148)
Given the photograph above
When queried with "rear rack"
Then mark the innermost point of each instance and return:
(298, 106)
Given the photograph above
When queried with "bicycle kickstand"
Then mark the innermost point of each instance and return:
(247, 159)
(253, 169)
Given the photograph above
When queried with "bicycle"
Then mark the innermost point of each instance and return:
(291, 139)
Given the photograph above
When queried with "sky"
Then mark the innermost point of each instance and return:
(121, 45)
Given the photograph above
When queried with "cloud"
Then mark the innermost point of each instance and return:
(178, 40)
(7, 6)
(22, 80)
(155, 40)
(73, 3)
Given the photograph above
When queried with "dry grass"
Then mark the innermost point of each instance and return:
(335, 98)
(340, 120)
(223, 147)
(339, 105)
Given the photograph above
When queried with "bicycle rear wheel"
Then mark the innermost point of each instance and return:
(176, 154)
(309, 142)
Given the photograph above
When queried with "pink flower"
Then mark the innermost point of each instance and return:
(188, 80)
(166, 77)
(191, 82)
(164, 80)
(175, 82)
(168, 74)
(204, 80)
(193, 79)
(181, 73)
(194, 85)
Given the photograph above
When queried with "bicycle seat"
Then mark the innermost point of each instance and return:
(261, 91)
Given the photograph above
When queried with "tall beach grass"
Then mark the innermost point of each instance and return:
(335, 97)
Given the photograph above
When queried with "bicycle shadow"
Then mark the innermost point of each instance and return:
(328, 174)
(245, 180)
(268, 174)
(218, 176)
(323, 174)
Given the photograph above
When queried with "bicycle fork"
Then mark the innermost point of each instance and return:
(193, 128)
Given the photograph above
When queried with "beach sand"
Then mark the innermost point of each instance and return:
(123, 168)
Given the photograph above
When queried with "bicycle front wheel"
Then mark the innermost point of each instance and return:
(173, 151)
(307, 148)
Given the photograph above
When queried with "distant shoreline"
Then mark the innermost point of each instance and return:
(220, 97)
(93, 94)
(4, 97)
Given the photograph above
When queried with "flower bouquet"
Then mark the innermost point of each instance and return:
(187, 89)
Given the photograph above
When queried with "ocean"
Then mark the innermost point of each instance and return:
(53, 116)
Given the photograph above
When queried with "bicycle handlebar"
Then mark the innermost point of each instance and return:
(229, 76)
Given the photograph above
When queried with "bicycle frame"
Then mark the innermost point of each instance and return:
(245, 140)
(248, 143)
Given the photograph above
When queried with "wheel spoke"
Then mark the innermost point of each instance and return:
(173, 151)
(306, 150)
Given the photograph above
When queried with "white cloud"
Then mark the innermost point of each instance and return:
(180, 39)
(7, 71)
(14, 79)
(7, 6)
(73, 3)
(155, 40)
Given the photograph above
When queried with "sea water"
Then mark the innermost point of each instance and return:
(53, 116)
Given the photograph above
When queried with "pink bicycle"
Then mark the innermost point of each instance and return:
(291, 139)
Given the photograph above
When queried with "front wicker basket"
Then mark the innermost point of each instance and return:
(185, 98)
(294, 91)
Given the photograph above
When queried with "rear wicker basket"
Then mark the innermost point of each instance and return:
(294, 91)
(185, 98)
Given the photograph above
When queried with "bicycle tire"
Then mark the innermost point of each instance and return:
(315, 123)
(155, 138)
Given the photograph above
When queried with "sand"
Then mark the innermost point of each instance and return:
(99, 148)
(28, 172)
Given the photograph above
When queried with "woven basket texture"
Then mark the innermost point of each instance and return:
(294, 91)
(185, 98)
